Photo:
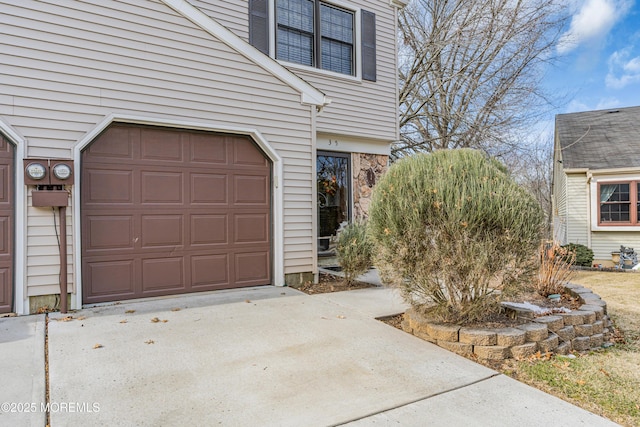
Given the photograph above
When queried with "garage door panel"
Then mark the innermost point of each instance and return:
(209, 189)
(197, 214)
(104, 232)
(209, 229)
(161, 145)
(161, 187)
(161, 274)
(246, 154)
(109, 279)
(5, 226)
(251, 228)
(162, 230)
(252, 267)
(208, 149)
(251, 190)
(115, 143)
(5, 289)
(208, 270)
(4, 182)
(108, 186)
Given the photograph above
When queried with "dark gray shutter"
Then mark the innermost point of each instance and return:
(259, 25)
(368, 46)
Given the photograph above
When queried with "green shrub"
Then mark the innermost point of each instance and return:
(354, 250)
(453, 231)
(584, 255)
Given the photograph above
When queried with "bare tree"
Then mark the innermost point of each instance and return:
(531, 165)
(471, 71)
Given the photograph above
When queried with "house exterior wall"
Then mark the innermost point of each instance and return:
(365, 167)
(67, 65)
(577, 209)
(577, 202)
(559, 198)
(347, 114)
(231, 14)
(605, 242)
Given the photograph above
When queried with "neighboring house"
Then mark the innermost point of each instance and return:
(212, 142)
(596, 180)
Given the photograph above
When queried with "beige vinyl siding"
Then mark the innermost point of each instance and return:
(231, 14)
(577, 209)
(43, 256)
(68, 64)
(559, 198)
(362, 108)
(605, 242)
(358, 108)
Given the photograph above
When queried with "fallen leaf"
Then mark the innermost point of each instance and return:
(149, 342)
(123, 321)
(155, 320)
(129, 311)
(175, 309)
(164, 321)
(98, 346)
(82, 317)
(66, 319)
(340, 316)
(247, 301)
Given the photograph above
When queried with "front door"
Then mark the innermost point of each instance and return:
(334, 193)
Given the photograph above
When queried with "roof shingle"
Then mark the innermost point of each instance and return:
(602, 139)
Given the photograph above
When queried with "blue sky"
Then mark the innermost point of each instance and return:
(599, 66)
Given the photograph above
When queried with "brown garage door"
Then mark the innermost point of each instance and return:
(6, 225)
(168, 211)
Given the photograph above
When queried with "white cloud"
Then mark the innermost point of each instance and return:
(576, 106)
(591, 22)
(624, 69)
(608, 103)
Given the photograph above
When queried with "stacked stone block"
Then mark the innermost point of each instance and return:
(583, 329)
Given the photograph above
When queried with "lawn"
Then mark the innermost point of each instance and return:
(606, 382)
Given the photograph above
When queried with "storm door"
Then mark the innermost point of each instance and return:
(334, 196)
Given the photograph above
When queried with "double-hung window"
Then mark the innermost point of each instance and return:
(315, 33)
(619, 203)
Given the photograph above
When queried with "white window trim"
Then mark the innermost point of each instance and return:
(595, 203)
(357, 47)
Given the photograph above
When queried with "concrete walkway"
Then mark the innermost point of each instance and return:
(268, 356)
(22, 384)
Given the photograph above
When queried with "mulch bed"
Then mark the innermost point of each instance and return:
(329, 283)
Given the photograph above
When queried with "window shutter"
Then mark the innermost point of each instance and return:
(368, 45)
(259, 25)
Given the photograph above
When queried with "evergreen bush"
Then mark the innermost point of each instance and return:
(454, 232)
(583, 255)
(354, 250)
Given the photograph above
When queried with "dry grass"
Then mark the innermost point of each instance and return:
(605, 382)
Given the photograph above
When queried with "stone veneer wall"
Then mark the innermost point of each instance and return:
(582, 329)
(362, 163)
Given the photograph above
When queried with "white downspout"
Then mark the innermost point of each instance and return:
(589, 176)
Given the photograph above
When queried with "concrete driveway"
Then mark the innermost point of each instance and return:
(273, 356)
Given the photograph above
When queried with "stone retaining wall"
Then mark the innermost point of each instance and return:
(583, 329)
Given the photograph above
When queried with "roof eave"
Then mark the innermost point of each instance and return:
(308, 94)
